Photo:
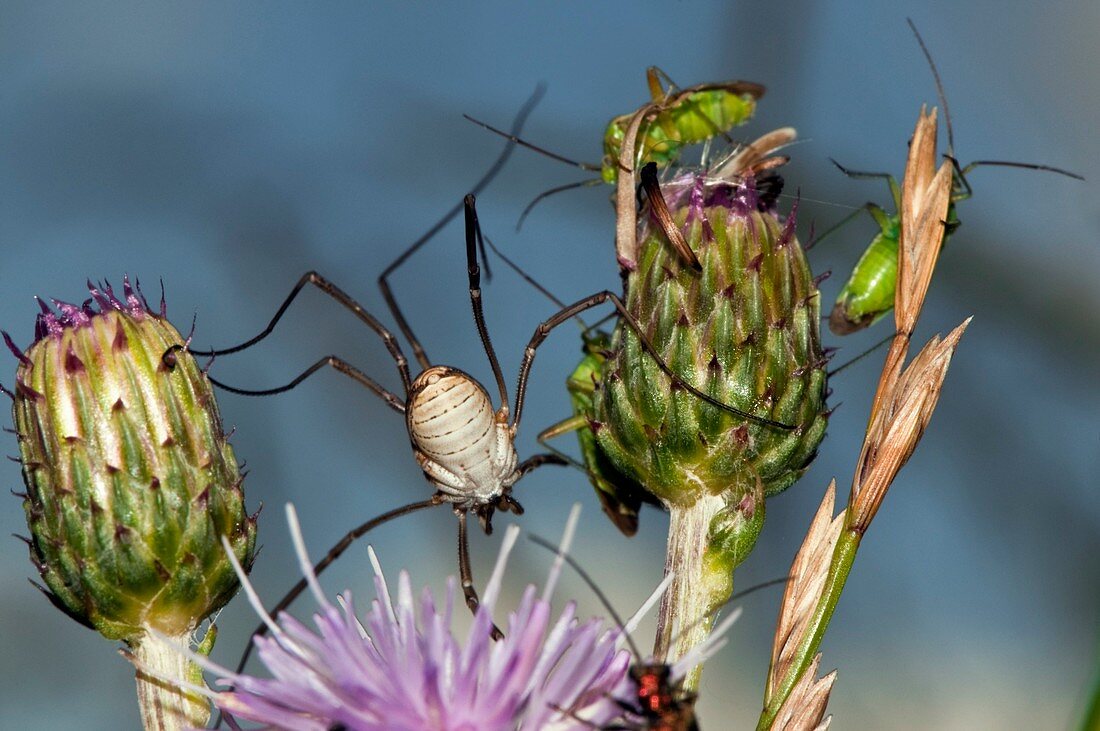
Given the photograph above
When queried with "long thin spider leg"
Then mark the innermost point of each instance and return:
(538, 460)
(490, 174)
(466, 574)
(861, 356)
(544, 328)
(344, 299)
(473, 271)
(392, 400)
(334, 553)
(573, 423)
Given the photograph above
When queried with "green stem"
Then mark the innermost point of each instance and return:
(1091, 721)
(843, 556)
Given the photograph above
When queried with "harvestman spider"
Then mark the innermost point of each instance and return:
(464, 446)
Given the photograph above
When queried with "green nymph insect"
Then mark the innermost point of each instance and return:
(868, 295)
(684, 117)
(620, 496)
(679, 118)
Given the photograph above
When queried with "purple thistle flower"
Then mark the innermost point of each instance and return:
(403, 668)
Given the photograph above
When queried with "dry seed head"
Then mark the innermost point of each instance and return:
(808, 573)
(805, 707)
(926, 194)
(130, 480)
(897, 427)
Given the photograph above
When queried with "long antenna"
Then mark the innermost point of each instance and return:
(554, 191)
(541, 150)
(861, 356)
(591, 585)
(533, 282)
(739, 595)
(939, 87)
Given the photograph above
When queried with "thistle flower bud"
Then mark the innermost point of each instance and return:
(130, 480)
(733, 309)
(744, 330)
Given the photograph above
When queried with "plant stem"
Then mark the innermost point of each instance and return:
(164, 707)
(686, 614)
(841, 565)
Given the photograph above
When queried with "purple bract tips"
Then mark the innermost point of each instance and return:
(132, 302)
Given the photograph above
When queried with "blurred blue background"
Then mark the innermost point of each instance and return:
(229, 148)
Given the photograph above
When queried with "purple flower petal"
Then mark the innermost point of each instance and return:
(402, 668)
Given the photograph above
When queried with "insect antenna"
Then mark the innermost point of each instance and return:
(861, 356)
(540, 541)
(516, 139)
(533, 282)
(962, 171)
(939, 86)
(590, 182)
(490, 174)
(739, 595)
(586, 329)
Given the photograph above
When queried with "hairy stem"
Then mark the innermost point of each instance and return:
(686, 612)
(164, 707)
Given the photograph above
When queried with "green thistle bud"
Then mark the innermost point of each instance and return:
(744, 329)
(130, 480)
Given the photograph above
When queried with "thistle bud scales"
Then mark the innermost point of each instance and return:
(130, 480)
(744, 330)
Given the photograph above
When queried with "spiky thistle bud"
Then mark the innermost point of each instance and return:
(130, 479)
(743, 328)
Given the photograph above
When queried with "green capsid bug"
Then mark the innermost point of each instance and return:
(677, 118)
(620, 496)
(682, 117)
(868, 295)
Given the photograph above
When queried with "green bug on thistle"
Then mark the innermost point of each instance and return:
(684, 117)
(679, 118)
(619, 491)
(620, 496)
(868, 294)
